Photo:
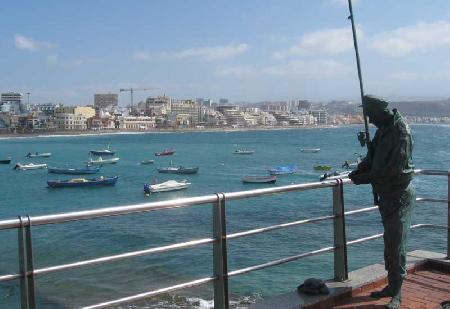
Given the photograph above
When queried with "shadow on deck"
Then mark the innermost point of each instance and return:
(427, 286)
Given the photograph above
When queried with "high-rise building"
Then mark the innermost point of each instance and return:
(105, 100)
(11, 102)
(11, 97)
(223, 101)
(321, 115)
(187, 107)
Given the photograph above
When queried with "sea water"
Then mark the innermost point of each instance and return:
(26, 192)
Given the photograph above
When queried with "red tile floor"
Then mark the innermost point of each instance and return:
(422, 289)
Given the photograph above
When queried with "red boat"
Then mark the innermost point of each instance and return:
(165, 152)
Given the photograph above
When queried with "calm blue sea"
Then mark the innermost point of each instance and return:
(25, 192)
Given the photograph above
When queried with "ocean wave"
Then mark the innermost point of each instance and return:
(167, 301)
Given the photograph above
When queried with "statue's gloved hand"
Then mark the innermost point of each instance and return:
(359, 178)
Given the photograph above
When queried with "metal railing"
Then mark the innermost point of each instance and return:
(219, 240)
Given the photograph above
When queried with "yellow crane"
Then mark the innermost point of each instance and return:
(131, 90)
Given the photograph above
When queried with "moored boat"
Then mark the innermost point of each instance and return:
(322, 167)
(38, 155)
(310, 150)
(102, 152)
(73, 171)
(165, 152)
(170, 185)
(178, 170)
(283, 170)
(259, 179)
(145, 162)
(334, 175)
(83, 182)
(101, 161)
(30, 166)
(5, 161)
(244, 152)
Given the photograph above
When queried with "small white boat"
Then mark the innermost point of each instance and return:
(310, 150)
(334, 175)
(170, 185)
(101, 161)
(39, 155)
(145, 162)
(244, 151)
(30, 166)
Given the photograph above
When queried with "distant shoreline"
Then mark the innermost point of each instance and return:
(124, 132)
(45, 134)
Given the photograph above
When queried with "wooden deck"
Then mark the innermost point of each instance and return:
(427, 288)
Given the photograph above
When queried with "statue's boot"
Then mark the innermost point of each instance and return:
(395, 283)
(395, 302)
(385, 292)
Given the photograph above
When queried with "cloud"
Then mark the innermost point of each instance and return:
(307, 69)
(300, 69)
(203, 53)
(238, 71)
(56, 60)
(328, 41)
(30, 44)
(417, 38)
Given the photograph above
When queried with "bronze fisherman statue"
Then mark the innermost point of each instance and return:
(390, 171)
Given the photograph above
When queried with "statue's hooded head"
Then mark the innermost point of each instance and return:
(376, 109)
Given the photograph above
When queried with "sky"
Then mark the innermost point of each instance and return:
(243, 50)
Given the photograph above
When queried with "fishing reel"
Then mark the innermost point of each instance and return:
(362, 138)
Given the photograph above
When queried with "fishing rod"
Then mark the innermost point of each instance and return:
(363, 137)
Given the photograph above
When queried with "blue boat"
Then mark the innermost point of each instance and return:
(83, 182)
(283, 170)
(74, 171)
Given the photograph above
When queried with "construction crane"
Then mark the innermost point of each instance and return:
(131, 90)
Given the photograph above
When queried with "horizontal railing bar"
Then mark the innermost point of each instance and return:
(123, 256)
(146, 207)
(151, 293)
(440, 226)
(363, 239)
(110, 211)
(433, 200)
(297, 187)
(361, 210)
(10, 277)
(432, 172)
(323, 250)
(415, 226)
(112, 258)
(295, 223)
(279, 262)
(177, 203)
(278, 226)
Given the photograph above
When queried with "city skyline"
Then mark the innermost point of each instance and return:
(67, 52)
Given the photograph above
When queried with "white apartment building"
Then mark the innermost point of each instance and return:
(137, 123)
(66, 121)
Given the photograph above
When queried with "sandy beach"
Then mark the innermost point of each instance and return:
(38, 134)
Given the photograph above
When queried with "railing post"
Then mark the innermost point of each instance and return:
(220, 264)
(340, 241)
(27, 291)
(448, 216)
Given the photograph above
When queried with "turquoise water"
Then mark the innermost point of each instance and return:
(25, 192)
